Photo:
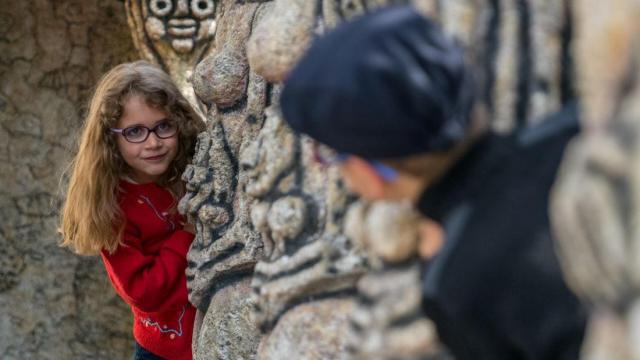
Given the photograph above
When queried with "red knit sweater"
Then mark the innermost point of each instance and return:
(148, 271)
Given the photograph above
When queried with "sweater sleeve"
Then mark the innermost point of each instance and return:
(150, 282)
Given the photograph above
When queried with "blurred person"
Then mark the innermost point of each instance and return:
(391, 95)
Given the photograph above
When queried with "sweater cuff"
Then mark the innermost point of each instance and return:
(180, 242)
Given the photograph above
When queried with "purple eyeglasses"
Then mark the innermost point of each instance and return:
(140, 133)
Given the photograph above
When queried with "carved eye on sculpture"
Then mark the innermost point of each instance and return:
(202, 8)
(161, 7)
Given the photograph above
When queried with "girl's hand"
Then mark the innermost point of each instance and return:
(188, 227)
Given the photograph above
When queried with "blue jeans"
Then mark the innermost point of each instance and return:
(144, 354)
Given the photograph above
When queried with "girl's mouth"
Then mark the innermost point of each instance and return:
(155, 158)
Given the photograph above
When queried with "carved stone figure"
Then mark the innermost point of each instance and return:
(175, 34)
(307, 279)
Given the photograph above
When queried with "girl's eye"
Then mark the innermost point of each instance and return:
(134, 131)
(166, 129)
(164, 126)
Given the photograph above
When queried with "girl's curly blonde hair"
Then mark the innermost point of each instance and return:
(91, 219)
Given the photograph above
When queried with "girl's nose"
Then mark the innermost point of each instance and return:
(153, 141)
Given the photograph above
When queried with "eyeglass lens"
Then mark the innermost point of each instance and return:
(140, 133)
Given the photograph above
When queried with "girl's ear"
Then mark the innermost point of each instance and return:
(361, 177)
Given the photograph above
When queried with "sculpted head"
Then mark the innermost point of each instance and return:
(182, 23)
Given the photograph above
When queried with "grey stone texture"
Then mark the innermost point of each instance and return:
(54, 304)
(595, 207)
(256, 201)
(388, 322)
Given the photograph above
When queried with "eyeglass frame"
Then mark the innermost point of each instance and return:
(386, 172)
(154, 129)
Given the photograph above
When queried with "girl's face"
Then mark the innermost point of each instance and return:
(151, 158)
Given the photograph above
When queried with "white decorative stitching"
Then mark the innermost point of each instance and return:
(150, 322)
(158, 214)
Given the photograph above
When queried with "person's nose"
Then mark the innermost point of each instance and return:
(153, 141)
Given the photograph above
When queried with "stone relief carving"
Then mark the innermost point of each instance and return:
(227, 247)
(307, 259)
(302, 277)
(388, 322)
(175, 34)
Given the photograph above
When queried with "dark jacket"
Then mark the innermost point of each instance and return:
(496, 290)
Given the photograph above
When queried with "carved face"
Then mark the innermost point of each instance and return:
(182, 23)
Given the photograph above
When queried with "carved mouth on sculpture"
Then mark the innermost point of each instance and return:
(318, 270)
(182, 27)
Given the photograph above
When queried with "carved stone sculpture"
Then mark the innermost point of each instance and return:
(303, 288)
(175, 34)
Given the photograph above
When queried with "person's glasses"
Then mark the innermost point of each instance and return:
(140, 133)
(326, 156)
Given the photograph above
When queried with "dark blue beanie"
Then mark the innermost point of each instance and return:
(388, 84)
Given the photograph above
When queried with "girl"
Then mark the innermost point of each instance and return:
(124, 185)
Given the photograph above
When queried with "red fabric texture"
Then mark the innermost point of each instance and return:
(148, 271)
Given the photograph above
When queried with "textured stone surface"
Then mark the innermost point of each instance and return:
(226, 330)
(322, 323)
(595, 200)
(254, 197)
(388, 321)
(283, 34)
(54, 305)
(373, 225)
(226, 247)
(298, 215)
